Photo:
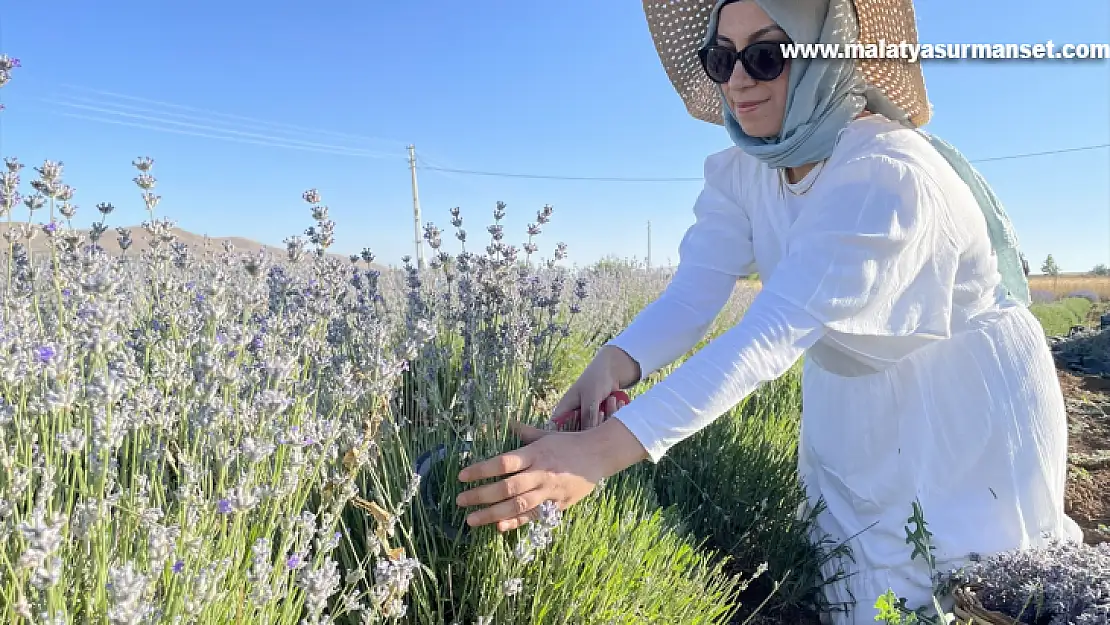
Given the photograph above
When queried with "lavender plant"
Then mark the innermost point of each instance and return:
(1086, 294)
(1042, 296)
(7, 64)
(174, 428)
(501, 320)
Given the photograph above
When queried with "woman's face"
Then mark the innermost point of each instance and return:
(759, 107)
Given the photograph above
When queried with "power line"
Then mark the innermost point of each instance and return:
(273, 126)
(159, 123)
(1046, 153)
(621, 179)
(545, 177)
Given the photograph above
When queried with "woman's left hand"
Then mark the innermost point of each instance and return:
(562, 467)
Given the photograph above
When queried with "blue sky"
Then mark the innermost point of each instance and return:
(568, 88)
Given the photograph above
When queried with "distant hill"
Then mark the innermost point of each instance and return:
(197, 242)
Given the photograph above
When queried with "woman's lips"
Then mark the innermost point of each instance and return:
(748, 107)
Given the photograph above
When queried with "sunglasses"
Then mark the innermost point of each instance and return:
(762, 61)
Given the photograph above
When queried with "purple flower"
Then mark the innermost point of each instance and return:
(44, 353)
(178, 566)
(224, 506)
(1086, 294)
(294, 561)
(1041, 296)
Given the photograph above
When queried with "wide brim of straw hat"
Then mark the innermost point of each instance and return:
(678, 28)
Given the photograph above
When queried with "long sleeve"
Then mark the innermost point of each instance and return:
(671, 325)
(767, 341)
(871, 264)
(715, 251)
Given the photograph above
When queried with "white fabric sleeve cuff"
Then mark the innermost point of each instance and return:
(771, 336)
(673, 324)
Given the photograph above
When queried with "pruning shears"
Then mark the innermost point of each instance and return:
(573, 419)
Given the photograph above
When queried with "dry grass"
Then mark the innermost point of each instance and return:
(1070, 283)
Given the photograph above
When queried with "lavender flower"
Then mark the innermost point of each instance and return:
(1057, 584)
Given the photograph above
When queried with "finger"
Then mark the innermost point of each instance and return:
(610, 406)
(591, 415)
(501, 490)
(509, 462)
(565, 420)
(508, 509)
(521, 429)
(524, 519)
(527, 433)
(512, 524)
(568, 403)
(568, 421)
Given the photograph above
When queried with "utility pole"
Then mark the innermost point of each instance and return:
(649, 245)
(416, 210)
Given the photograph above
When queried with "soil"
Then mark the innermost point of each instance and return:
(1087, 498)
(1087, 397)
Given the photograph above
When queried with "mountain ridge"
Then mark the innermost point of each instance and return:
(110, 241)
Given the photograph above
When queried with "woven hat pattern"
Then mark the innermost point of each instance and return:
(678, 29)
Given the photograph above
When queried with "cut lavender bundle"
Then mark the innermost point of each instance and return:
(1063, 583)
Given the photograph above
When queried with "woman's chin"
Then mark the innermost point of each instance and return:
(759, 128)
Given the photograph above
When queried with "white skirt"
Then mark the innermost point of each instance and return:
(974, 428)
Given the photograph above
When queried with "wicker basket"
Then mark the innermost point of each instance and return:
(969, 609)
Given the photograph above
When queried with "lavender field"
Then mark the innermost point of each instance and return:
(203, 435)
(229, 436)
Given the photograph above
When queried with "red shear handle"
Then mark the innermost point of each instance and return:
(574, 416)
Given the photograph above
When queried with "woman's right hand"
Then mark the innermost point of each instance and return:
(612, 369)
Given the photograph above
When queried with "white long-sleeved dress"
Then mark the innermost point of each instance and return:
(920, 381)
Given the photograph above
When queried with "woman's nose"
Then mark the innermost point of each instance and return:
(739, 78)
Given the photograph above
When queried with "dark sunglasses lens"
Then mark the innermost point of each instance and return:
(719, 63)
(764, 61)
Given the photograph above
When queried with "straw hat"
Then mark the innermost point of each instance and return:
(678, 28)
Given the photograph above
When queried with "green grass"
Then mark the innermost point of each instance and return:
(748, 515)
(617, 557)
(1058, 317)
(634, 565)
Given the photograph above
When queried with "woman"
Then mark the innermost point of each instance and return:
(885, 260)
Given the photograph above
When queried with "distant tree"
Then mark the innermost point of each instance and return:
(1100, 270)
(1050, 268)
